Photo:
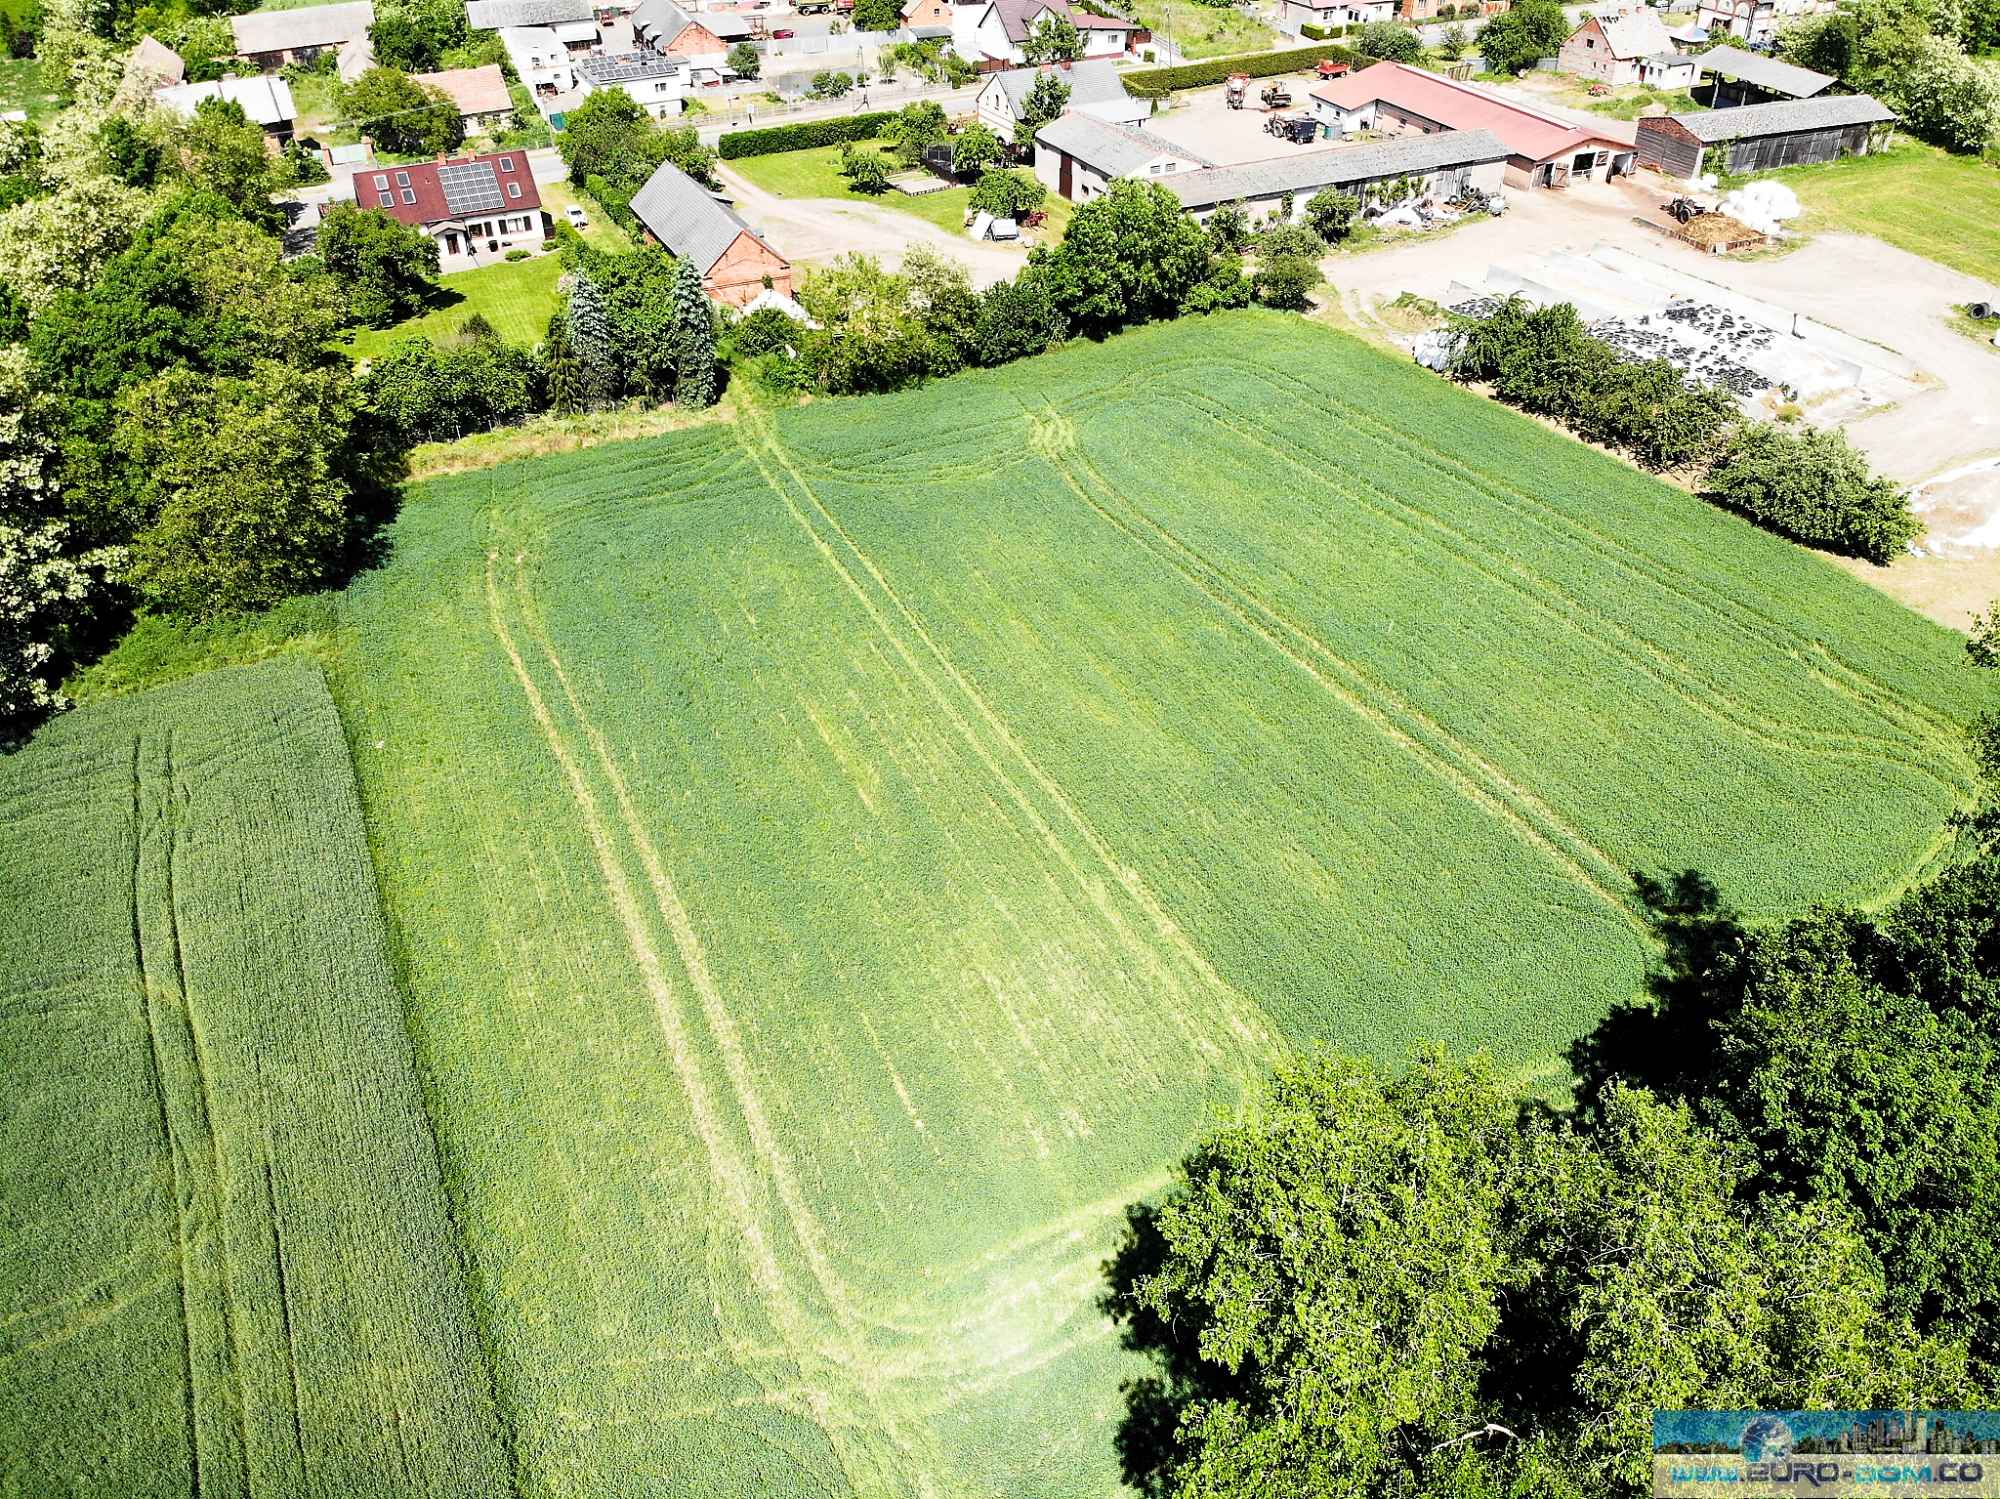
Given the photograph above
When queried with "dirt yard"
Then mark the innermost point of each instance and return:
(1202, 121)
(1942, 432)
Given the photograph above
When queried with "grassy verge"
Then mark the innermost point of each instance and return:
(21, 88)
(815, 173)
(1200, 31)
(1916, 197)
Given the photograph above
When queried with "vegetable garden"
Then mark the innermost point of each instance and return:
(836, 861)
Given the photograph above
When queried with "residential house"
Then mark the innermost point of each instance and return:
(1426, 10)
(575, 23)
(736, 264)
(154, 65)
(273, 38)
(1324, 15)
(1758, 137)
(927, 17)
(656, 84)
(540, 60)
(1611, 48)
(1751, 78)
(1079, 156)
(476, 207)
(1442, 165)
(662, 27)
(1543, 150)
(1108, 36)
(266, 101)
(480, 94)
(1754, 21)
(990, 34)
(1094, 89)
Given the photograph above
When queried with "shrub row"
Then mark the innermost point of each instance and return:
(1153, 83)
(803, 135)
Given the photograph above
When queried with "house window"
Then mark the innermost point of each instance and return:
(506, 163)
(402, 179)
(409, 195)
(382, 180)
(388, 199)
(513, 189)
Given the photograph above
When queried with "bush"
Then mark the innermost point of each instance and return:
(1814, 487)
(1017, 319)
(1391, 40)
(765, 331)
(863, 168)
(803, 136)
(1289, 239)
(517, 254)
(1229, 228)
(1008, 195)
(1153, 83)
(1224, 287)
(1331, 213)
(1285, 281)
(418, 392)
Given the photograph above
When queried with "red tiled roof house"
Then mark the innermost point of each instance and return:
(476, 207)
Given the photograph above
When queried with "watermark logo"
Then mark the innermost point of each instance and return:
(1826, 1454)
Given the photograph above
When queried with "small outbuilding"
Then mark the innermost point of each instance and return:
(265, 101)
(1758, 137)
(1079, 156)
(736, 265)
(154, 65)
(1739, 77)
(479, 93)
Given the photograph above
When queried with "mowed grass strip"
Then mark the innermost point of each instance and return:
(229, 1268)
(909, 818)
(1917, 197)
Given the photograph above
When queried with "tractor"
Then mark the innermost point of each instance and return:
(1299, 129)
(1234, 89)
(1276, 96)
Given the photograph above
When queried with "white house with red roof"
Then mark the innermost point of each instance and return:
(1393, 99)
(476, 207)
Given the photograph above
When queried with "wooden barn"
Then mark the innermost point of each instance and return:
(1758, 137)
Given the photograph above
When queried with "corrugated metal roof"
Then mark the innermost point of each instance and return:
(1764, 72)
(314, 26)
(1114, 150)
(1310, 171)
(491, 15)
(266, 99)
(686, 218)
(1783, 117)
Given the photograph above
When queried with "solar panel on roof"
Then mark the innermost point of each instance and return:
(469, 187)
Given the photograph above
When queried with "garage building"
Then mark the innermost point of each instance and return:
(1441, 165)
(1757, 137)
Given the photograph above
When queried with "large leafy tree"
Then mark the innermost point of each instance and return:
(609, 136)
(1052, 39)
(1129, 256)
(1517, 38)
(401, 114)
(1047, 98)
(386, 269)
(916, 127)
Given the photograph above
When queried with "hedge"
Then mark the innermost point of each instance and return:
(1153, 83)
(804, 135)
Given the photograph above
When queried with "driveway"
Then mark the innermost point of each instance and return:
(817, 231)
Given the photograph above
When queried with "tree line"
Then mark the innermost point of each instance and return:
(1774, 1186)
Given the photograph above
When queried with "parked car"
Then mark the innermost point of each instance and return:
(576, 217)
(781, 36)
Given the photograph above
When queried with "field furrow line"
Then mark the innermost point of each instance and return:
(285, 1303)
(1705, 698)
(1454, 761)
(731, 1176)
(1248, 1029)
(1860, 686)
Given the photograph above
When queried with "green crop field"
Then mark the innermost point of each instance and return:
(837, 861)
(227, 1267)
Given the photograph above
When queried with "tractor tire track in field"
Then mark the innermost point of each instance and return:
(1843, 677)
(1249, 1032)
(1673, 674)
(1433, 746)
(867, 1470)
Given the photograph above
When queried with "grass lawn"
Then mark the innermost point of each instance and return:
(1917, 197)
(815, 173)
(1201, 31)
(516, 297)
(21, 88)
(838, 859)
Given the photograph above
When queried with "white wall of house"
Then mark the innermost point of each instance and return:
(1098, 43)
(463, 242)
(662, 97)
(540, 60)
(1337, 121)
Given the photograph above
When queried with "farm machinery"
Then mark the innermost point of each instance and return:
(1276, 96)
(1234, 89)
(1299, 129)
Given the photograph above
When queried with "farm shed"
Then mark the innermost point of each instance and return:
(272, 38)
(265, 102)
(1079, 155)
(686, 218)
(1741, 77)
(1443, 164)
(1757, 137)
(1392, 98)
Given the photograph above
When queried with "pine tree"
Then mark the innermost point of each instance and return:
(560, 368)
(598, 378)
(694, 339)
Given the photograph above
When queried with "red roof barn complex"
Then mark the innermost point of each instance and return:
(1393, 99)
(476, 207)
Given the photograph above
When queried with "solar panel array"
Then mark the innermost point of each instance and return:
(470, 187)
